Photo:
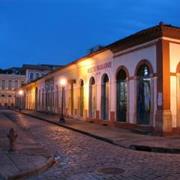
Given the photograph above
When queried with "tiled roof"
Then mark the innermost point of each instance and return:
(145, 36)
(133, 40)
(40, 66)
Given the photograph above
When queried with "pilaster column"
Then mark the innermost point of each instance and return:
(163, 122)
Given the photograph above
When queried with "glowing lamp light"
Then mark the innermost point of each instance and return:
(63, 82)
(21, 92)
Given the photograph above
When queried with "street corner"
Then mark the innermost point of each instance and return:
(16, 165)
(20, 154)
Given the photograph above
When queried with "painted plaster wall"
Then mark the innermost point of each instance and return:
(7, 96)
(92, 67)
(130, 61)
(174, 85)
(96, 67)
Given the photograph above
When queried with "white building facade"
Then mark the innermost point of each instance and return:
(134, 82)
(34, 72)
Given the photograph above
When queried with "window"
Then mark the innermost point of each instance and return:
(105, 97)
(121, 91)
(37, 75)
(10, 85)
(143, 95)
(92, 98)
(16, 84)
(31, 76)
(3, 84)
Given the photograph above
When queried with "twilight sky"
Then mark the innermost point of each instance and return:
(59, 31)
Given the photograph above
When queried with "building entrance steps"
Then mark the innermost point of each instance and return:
(118, 136)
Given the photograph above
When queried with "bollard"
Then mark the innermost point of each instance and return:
(12, 136)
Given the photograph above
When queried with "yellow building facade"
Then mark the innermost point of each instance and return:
(8, 85)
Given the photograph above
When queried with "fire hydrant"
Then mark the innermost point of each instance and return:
(12, 136)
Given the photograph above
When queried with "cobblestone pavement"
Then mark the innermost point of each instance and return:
(29, 154)
(80, 157)
(120, 136)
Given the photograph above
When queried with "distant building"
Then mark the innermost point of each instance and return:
(13, 78)
(8, 84)
(12, 70)
(34, 72)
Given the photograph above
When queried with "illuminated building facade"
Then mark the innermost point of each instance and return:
(134, 82)
(35, 71)
(13, 78)
(8, 84)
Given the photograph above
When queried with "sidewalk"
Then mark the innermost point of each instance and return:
(28, 159)
(117, 136)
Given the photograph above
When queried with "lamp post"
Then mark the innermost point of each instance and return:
(20, 92)
(62, 84)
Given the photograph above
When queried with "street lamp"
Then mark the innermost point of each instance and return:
(20, 93)
(62, 83)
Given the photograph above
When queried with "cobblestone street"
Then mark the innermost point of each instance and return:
(81, 157)
(89, 90)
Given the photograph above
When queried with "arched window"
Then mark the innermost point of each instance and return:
(92, 98)
(143, 94)
(105, 97)
(121, 92)
(81, 101)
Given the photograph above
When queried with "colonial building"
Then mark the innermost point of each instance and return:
(130, 83)
(34, 72)
(13, 78)
(8, 84)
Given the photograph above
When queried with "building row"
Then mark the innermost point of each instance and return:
(134, 82)
(13, 78)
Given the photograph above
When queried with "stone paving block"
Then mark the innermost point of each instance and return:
(123, 137)
(29, 154)
(26, 162)
(80, 156)
(7, 167)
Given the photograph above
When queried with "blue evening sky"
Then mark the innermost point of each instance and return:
(59, 31)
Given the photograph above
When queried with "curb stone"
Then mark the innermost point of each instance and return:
(155, 149)
(50, 162)
(130, 147)
(73, 129)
